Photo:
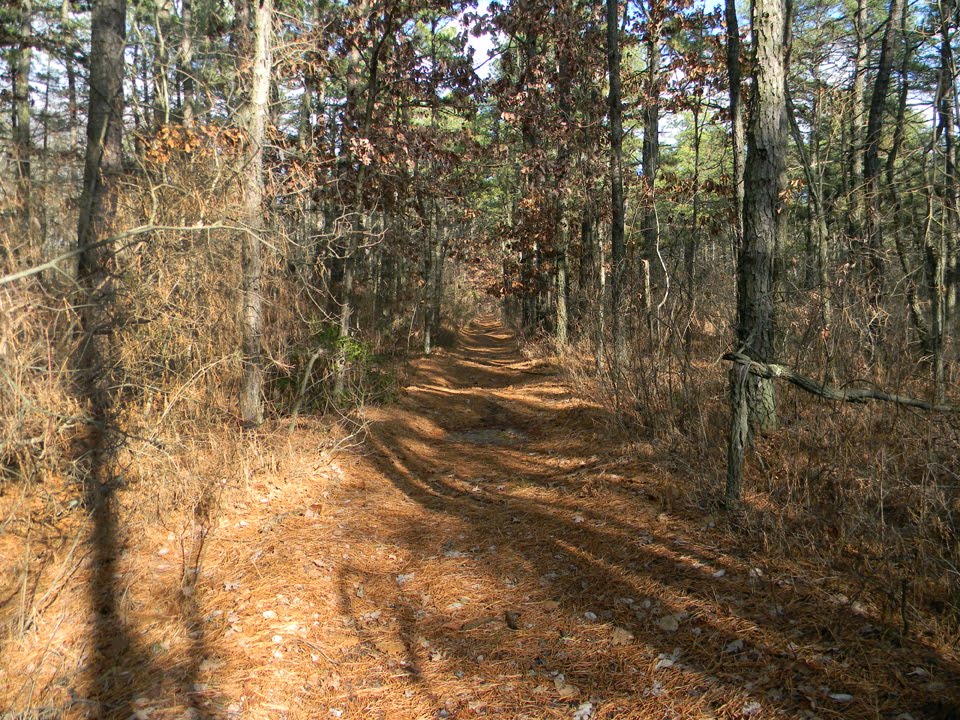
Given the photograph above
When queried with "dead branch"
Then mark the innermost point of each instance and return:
(853, 395)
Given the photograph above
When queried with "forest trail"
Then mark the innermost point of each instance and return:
(480, 557)
(488, 548)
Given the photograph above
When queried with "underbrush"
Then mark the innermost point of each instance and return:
(868, 494)
(82, 494)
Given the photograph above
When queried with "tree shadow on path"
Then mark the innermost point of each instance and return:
(711, 631)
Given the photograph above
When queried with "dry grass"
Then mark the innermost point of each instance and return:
(870, 493)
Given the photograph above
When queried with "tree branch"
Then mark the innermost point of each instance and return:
(853, 395)
(54, 264)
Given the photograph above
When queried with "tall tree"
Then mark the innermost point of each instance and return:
(103, 161)
(185, 64)
(650, 150)
(255, 117)
(735, 75)
(857, 120)
(615, 116)
(20, 56)
(873, 249)
(753, 398)
(940, 244)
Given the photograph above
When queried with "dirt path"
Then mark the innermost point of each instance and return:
(489, 549)
(477, 557)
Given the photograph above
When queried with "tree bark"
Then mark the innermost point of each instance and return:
(185, 64)
(103, 161)
(617, 246)
(650, 151)
(22, 142)
(255, 121)
(937, 247)
(857, 118)
(764, 177)
(873, 249)
(737, 135)
(817, 222)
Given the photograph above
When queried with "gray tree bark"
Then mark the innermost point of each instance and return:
(255, 115)
(753, 398)
(103, 160)
(650, 153)
(185, 64)
(617, 246)
(873, 249)
(737, 136)
(22, 142)
(857, 120)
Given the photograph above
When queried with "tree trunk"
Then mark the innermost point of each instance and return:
(950, 212)
(857, 118)
(737, 135)
(764, 181)
(255, 121)
(650, 154)
(873, 250)
(22, 142)
(817, 224)
(617, 246)
(185, 64)
(103, 162)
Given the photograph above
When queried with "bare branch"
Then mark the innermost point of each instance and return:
(853, 395)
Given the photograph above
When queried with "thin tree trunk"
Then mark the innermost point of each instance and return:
(185, 64)
(737, 134)
(22, 142)
(857, 121)
(873, 250)
(617, 246)
(950, 212)
(255, 120)
(161, 95)
(650, 154)
(691, 245)
(817, 222)
(561, 215)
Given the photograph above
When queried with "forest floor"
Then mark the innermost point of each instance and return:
(486, 551)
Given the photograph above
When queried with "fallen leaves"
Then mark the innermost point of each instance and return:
(564, 689)
(668, 623)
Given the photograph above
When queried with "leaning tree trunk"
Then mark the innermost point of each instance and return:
(753, 398)
(255, 121)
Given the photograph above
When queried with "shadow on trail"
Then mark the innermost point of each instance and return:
(741, 637)
(120, 671)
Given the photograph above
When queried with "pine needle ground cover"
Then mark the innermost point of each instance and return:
(489, 550)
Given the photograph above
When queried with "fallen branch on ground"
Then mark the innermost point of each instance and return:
(771, 371)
